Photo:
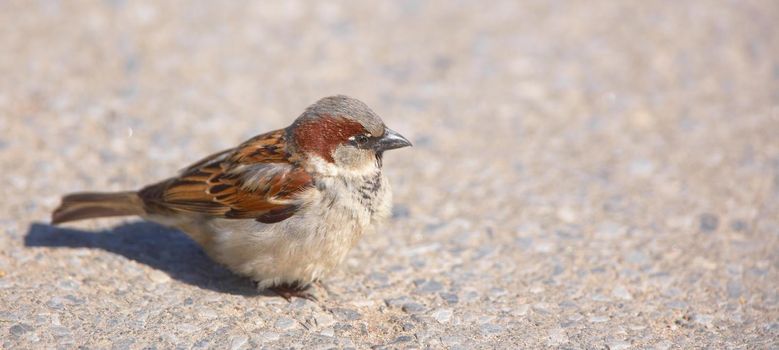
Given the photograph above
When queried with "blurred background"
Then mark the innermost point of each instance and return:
(585, 173)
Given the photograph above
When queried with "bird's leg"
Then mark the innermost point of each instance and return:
(295, 289)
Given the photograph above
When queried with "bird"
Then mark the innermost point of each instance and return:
(282, 208)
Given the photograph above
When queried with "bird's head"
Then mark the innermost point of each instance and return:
(343, 132)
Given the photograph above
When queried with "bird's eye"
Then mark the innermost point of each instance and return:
(361, 139)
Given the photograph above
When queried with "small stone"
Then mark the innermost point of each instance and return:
(413, 307)
(402, 339)
(285, 323)
(201, 344)
(567, 215)
(521, 310)
(19, 329)
(739, 225)
(598, 319)
(618, 345)
(568, 304)
(208, 313)
(328, 332)
(451, 341)
(677, 304)
(663, 345)
(324, 320)
(268, 336)
(704, 320)
(542, 308)
(400, 211)
(556, 337)
(158, 276)
(397, 302)
(642, 167)
(187, 328)
(496, 293)
(429, 286)
(637, 257)
(450, 298)
(68, 285)
(470, 296)
(620, 292)
(237, 342)
(442, 315)
(491, 328)
(708, 222)
(378, 278)
(610, 230)
(346, 314)
(122, 344)
(74, 300)
(56, 303)
(734, 289)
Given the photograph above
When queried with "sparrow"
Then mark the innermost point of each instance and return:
(283, 208)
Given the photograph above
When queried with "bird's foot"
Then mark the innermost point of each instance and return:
(289, 290)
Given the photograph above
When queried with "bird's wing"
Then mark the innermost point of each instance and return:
(256, 180)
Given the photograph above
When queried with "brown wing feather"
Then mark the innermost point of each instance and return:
(257, 180)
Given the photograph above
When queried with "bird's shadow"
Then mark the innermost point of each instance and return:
(157, 246)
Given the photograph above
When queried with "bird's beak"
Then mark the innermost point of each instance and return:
(391, 140)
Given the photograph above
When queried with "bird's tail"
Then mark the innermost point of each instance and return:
(88, 205)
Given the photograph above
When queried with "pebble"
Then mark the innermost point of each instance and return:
(187, 328)
(413, 307)
(208, 313)
(285, 323)
(324, 320)
(123, 344)
(663, 345)
(400, 211)
(734, 289)
(238, 342)
(739, 225)
(269, 336)
(20, 328)
(451, 340)
(442, 315)
(598, 319)
(618, 345)
(703, 319)
(402, 339)
(346, 314)
(328, 332)
(556, 337)
(542, 308)
(59, 331)
(610, 230)
(158, 276)
(428, 286)
(620, 292)
(450, 298)
(567, 214)
(397, 302)
(469, 297)
(708, 222)
(491, 328)
(677, 304)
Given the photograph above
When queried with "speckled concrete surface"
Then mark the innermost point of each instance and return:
(591, 174)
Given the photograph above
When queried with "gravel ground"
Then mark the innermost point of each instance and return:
(590, 174)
